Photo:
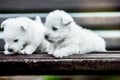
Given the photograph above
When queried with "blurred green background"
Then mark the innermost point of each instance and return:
(51, 77)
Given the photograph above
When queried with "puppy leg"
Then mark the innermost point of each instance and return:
(66, 51)
(51, 49)
(44, 46)
(29, 49)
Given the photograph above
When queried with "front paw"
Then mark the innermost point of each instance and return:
(60, 54)
(50, 52)
(24, 52)
(8, 53)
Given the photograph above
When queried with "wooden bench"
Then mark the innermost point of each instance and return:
(87, 13)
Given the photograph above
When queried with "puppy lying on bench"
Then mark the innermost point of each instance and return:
(67, 38)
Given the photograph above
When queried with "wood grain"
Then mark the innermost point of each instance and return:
(43, 63)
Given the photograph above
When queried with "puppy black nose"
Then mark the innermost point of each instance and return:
(10, 50)
(46, 36)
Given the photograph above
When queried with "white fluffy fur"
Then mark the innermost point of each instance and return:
(29, 33)
(69, 38)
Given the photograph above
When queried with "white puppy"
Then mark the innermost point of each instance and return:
(23, 35)
(68, 38)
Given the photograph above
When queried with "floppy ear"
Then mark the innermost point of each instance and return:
(23, 28)
(65, 21)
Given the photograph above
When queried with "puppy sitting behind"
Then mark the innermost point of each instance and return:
(23, 35)
(67, 38)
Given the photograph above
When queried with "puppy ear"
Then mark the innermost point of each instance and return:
(5, 22)
(65, 21)
(3, 25)
(23, 28)
(38, 19)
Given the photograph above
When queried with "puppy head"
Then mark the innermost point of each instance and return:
(58, 25)
(15, 43)
(15, 33)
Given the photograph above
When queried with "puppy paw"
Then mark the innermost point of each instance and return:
(50, 52)
(8, 53)
(24, 52)
(59, 54)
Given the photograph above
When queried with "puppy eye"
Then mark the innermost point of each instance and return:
(16, 40)
(54, 28)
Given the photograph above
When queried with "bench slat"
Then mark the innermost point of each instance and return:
(43, 63)
(100, 20)
(48, 5)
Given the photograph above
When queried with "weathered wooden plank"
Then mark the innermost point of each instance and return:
(100, 20)
(48, 5)
(43, 63)
(39, 55)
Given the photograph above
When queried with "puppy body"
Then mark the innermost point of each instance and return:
(68, 38)
(23, 35)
